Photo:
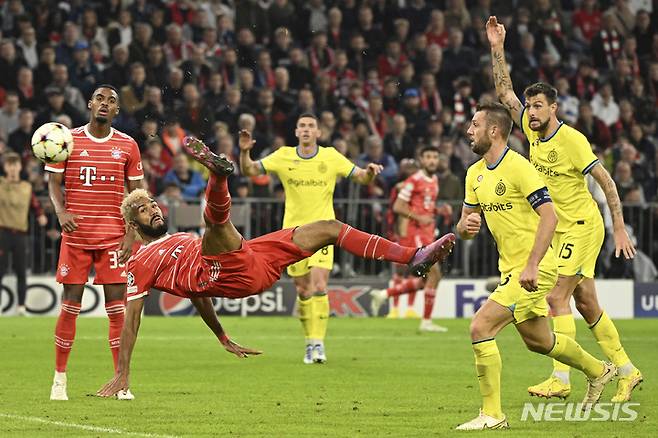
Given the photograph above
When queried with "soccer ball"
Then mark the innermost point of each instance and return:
(52, 143)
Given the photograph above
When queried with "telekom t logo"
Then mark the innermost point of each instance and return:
(87, 174)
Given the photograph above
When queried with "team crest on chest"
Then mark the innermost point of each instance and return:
(552, 156)
(116, 153)
(322, 168)
(500, 188)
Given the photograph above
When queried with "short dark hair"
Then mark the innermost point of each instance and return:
(428, 148)
(309, 115)
(541, 88)
(497, 114)
(10, 158)
(111, 87)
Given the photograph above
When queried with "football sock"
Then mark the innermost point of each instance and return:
(568, 351)
(218, 200)
(115, 313)
(411, 297)
(396, 300)
(305, 307)
(488, 366)
(370, 246)
(405, 286)
(65, 333)
(320, 315)
(606, 335)
(430, 295)
(565, 325)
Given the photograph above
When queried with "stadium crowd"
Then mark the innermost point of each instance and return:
(384, 78)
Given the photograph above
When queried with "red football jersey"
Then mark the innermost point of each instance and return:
(94, 178)
(171, 264)
(421, 191)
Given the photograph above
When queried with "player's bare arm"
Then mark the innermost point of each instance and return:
(623, 244)
(207, 312)
(401, 207)
(120, 381)
(367, 175)
(248, 167)
(66, 219)
(502, 79)
(126, 247)
(543, 238)
(469, 223)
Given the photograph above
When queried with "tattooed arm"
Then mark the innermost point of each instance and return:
(504, 90)
(623, 243)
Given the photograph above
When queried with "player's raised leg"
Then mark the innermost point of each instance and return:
(64, 337)
(558, 384)
(487, 322)
(400, 287)
(606, 335)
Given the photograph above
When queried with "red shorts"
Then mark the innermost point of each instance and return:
(256, 266)
(416, 240)
(74, 265)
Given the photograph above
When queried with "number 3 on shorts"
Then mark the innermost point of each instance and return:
(114, 260)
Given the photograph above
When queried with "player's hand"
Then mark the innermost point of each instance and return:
(495, 32)
(473, 223)
(623, 244)
(528, 278)
(119, 382)
(42, 220)
(126, 247)
(237, 349)
(67, 221)
(245, 140)
(374, 169)
(425, 219)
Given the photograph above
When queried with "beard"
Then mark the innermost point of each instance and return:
(482, 147)
(154, 232)
(542, 126)
(102, 119)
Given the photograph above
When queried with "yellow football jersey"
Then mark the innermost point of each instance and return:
(308, 183)
(507, 192)
(563, 160)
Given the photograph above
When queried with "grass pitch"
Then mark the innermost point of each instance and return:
(382, 379)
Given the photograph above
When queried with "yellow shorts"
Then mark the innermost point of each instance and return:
(323, 258)
(578, 248)
(523, 304)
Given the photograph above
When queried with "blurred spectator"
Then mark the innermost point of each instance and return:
(156, 66)
(451, 187)
(248, 89)
(567, 103)
(172, 138)
(83, 73)
(592, 127)
(117, 72)
(19, 140)
(157, 168)
(57, 105)
(417, 118)
(195, 117)
(270, 121)
(44, 71)
(623, 178)
(374, 153)
(9, 115)
(27, 47)
(139, 47)
(120, 32)
(458, 60)
(436, 32)
(133, 95)
(173, 89)
(604, 105)
(72, 95)
(190, 182)
(196, 69)
(398, 142)
(153, 108)
(586, 21)
(232, 109)
(10, 63)
(66, 47)
(607, 44)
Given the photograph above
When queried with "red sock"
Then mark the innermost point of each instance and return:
(408, 285)
(218, 200)
(430, 295)
(65, 333)
(370, 246)
(396, 300)
(115, 313)
(411, 298)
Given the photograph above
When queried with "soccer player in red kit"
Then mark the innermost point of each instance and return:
(417, 203)
(223, 264)
(93, 232)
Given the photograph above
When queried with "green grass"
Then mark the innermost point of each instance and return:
(382, 379)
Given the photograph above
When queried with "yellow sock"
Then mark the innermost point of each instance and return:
(320, 316)
(568, 351)
(606, 335)
(488, 366)
(565, 325)
(305, 313)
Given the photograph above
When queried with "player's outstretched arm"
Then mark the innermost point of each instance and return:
(248, 167)
(207, 311)
(543, 237)
(128, 338)
(367, 175)
(502, 79)
(623, 244)
(469, 223)
(401, 207)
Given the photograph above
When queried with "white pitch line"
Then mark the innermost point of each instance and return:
(83, 426)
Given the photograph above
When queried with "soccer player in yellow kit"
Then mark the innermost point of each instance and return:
(520, 214)
(562, 157)
(308, 173)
